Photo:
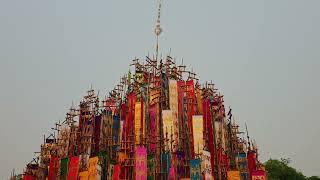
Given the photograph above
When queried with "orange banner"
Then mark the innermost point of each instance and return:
(233, 175)
(93, 171)
(83, 175)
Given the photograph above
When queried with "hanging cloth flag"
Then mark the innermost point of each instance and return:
(53, 168)
(116, 172)
(191, 109)
(73, 168)
(137, 122)
(110, 171)
(259, 175)
(197, 124)
(172, 173)
(141, 163)
(153, 128)
(207, 118)
(167, 127)
(27, 177)
(252, 165)
(64, 168)
(84, 175)
(166, 163)
(97, 134)
(151, 167)
(233, 175)
(195, 173)
(199, 101)
(173, 101)
(93, 168)
(206, 165)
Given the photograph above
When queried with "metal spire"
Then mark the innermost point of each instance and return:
(158, 29)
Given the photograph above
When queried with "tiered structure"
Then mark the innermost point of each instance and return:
(159, 122)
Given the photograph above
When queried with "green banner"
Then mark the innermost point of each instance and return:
(64, 168)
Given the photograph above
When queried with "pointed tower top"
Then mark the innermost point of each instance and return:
(158, 29)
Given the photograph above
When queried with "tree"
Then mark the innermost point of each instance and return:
(280, 170)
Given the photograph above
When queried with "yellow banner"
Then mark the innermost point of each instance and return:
(167, 127)
(137, 122)
(197, 123)
(93, 171)
(233, 175)
(173, 100)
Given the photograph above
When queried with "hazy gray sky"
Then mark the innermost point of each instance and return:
(262, 55)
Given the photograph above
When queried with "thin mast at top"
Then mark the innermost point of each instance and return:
(158, 29)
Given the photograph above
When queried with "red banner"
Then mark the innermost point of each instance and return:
(53, 168)
(73, 168)
(191, 108)
(252, 165)
(27, 177)
(259, 175)
(207, 116)
(116, 172)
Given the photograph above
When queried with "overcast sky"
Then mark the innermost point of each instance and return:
(262, 55)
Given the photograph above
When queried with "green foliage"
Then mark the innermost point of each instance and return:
(313, 178)
(280, 170)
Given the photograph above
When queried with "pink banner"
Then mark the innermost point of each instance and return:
(153, 127)
(141, 163)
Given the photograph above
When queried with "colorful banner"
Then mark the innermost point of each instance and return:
(96, 134)
(63, 142)
(241, 162)
(116, 172)
(166, 163)
(195, 173)
(84, 162)
(137, 122)
(27, 177)
(207, 118)
(173, 101)
(153, 127)
(199, 101)
(115, 128)
(191, 110)
(110, 171)
(64, 168)
(197, 123)
(84, 175)
(172, 173)
(252, 165)
(141, 163)
(206, 164)
(259, 175)
(233, 175)
(53, 168)
(167, 127)
(181, 164)
(151, 167)
(73, 168)
(93, 168)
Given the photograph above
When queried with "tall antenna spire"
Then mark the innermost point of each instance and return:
(158, 29)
